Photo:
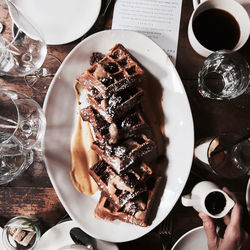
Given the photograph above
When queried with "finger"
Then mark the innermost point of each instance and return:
(209, 228)
(236, 211)
(226, 219)
(236, 215)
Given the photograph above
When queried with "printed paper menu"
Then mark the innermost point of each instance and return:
(157, 19)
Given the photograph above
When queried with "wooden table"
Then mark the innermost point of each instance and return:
(33, 194)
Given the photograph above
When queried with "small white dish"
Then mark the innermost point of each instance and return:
(58, 237)
(193, 239)
(60, 21)
(248, 196)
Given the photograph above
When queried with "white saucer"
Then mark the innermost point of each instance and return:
(60, 21)
(58, 236)
(193, 239)
(248, 196)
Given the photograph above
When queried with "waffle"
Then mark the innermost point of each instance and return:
(116, 105)
(120, 188)
(129, 125)
(127, 153)
(136, 211)
(96, 57)
(123, 139)
(116, 71)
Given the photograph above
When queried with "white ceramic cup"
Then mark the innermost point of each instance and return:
(200, 197)
(234, 8)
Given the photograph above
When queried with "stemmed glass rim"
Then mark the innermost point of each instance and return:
(10, 94)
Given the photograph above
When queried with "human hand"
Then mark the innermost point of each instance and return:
(235, 237)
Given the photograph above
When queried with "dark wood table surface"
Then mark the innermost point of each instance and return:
(33, 194)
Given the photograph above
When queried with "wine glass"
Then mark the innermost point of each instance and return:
(22, 125)
(48, 69)
(23, 53)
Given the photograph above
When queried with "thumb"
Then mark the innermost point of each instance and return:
(209, 228)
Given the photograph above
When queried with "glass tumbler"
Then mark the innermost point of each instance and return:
(22, 125)
(231, 160)
(224, 75)
(21, 233)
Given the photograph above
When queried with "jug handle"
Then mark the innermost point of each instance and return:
(186, 200)
(230, 202)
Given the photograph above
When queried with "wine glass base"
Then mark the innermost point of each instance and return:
(13, 166)
(48, 69)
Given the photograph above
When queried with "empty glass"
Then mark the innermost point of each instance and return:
(22, 125)
(23, 51)
(224, 75)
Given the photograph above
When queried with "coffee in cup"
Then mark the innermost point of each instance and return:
(218, 24)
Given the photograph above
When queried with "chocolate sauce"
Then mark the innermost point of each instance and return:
(215, 202)
(96, 57)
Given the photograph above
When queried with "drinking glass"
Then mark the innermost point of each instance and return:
(22, 125)
(231, 161)
(21, 233)
(24, 52)
(224, 75)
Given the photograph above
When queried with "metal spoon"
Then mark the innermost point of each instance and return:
(82, 238)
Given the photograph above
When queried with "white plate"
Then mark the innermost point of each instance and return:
(60, 110)
(248, 196)
(61, 21)
(193, 239)
(58, 236)
(1, 242)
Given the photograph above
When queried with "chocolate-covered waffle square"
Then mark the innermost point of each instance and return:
(116, 71)
(136, 211)
(127, 126)
(127, 153)
(116, 105)
(123, 187)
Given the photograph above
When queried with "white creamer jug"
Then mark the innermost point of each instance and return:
(206, 197)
